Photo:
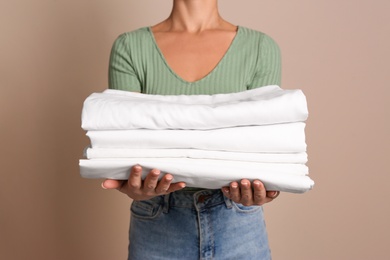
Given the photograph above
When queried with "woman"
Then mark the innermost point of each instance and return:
(194, 51)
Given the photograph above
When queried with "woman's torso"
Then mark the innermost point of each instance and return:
(251, 60)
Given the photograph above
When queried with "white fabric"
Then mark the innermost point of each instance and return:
(114, 110)
(205, 173)
(281, 138)
(98, 153)
(206, 141)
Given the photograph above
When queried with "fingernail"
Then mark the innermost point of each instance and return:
(103, 186)
(155, 172)
(244, 183)
(226, 190)
(234, 185)
(256, 182)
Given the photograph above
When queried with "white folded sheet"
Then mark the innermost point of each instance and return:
(205, 173)
(98, 153)
(280, 138)
(115, 109)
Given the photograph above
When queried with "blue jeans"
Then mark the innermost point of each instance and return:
(202, 224)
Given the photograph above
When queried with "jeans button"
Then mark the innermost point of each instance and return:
(203, 198)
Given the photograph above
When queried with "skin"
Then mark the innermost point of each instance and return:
(193, 39)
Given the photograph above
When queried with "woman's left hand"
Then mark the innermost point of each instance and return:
(249, 194)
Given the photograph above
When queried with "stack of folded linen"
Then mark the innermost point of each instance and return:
(206, 141)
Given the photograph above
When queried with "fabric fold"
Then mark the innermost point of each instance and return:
(205, 173)
(119, 110)
(282, 138)
(100, 153)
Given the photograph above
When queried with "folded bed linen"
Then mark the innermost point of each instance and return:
(281, 138)
(99, 153)
(114, 110)
(205, 173)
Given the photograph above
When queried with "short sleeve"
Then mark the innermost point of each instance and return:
(268, 67)
(121, 73)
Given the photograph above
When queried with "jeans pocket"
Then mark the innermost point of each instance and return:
(246, 209)
(147, 209)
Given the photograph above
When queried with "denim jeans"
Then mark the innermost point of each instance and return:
(202, 224)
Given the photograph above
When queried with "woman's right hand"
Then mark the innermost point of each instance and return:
(139, 189)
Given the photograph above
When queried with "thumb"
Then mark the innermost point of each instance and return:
(112, 184)
(272, 194)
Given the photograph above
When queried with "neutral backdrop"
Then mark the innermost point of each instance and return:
(53, 54)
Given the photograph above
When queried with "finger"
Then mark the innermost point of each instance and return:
(112, 184)
(151, 180)
(226, 191)
(164, 183)
(272, 194)
(246, 192)
(135, 178)
(176, 186)
(235, 192)
(260, 193)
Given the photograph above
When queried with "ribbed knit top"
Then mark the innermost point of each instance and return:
(137, 64)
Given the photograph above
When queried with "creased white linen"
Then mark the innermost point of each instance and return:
(99, 153)
(211, 174)
(206, 141)
(114, 110)
(280, 138)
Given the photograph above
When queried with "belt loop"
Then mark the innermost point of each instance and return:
(228, 202)
(166, 203)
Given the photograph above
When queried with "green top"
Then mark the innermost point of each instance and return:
(137, 64)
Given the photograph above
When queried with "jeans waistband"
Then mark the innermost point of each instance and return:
(195, 199)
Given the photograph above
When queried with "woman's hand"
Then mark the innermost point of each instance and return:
(249, 194)
(139, 189)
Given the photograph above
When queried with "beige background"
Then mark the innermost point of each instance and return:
(55, 53)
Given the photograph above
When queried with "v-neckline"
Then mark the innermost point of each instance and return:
(232, 43)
